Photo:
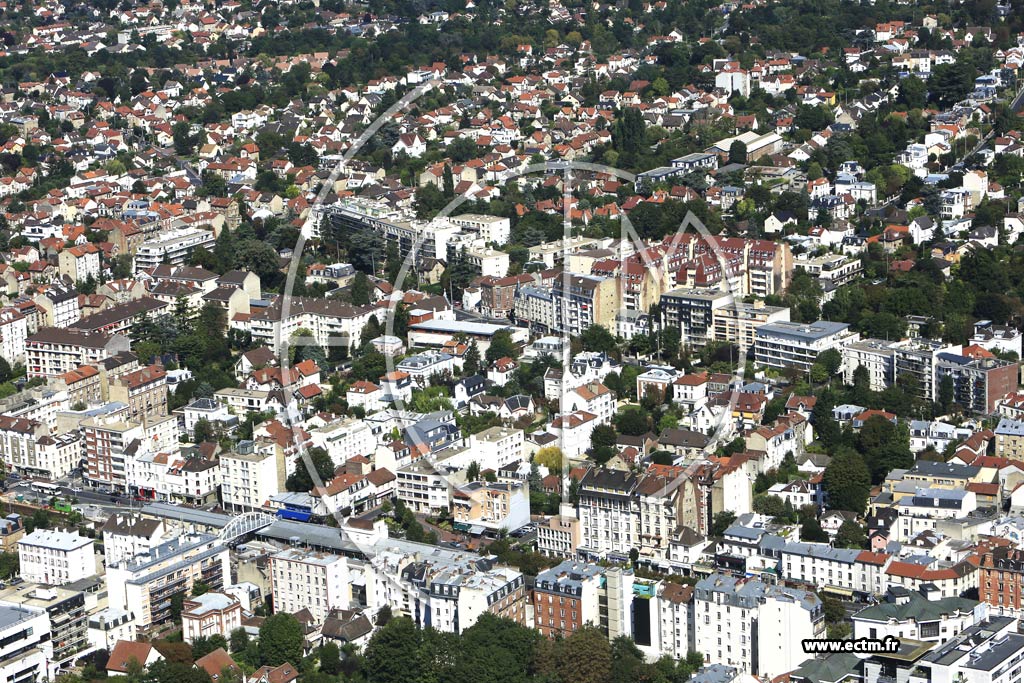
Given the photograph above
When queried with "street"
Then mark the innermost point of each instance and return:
(82, 496)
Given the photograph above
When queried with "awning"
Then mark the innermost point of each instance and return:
(836, 590)
(476, 530)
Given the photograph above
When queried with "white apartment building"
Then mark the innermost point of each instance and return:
(173, 247)
(987, 335)
(208, 409)
(193, 480)
(13, 334)
(301, 578)
(594, 398)
(53, 351)
(790, 344)
(988, 652)
(25, 647)
(423, 488)
(496, 447)
(737, 322)
(55, 557)
(608, 519)
(675, 613)
(431, 237)
(41, 404)
(573, 431)
(145, 583)
(496, 229)
(487, 261)
(690, 391)
(935, 434)
(919, 358)
(831, 270)
(250, 475)
(819, 564)
(110, 626)
(244, 401)
(18, 438)
(755, 627)
(126, 535)
(445, 589)
(55, 456)
(58, 307)
(422, 366)
(208, 614)
(345, 438)
(332, 322)
(80, 262)
(920, 511)
(909, 614)
(876, 356)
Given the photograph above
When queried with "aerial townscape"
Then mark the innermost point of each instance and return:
(512, 341)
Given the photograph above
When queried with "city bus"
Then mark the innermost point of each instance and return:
(45, 488)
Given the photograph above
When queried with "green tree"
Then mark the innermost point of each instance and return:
(632, 420)
(360, 291)
(913, 93)
(628, 131)
(239, 640)
(203, 431)
(9, 565)
(831, 360)
(330, 658)
(627, 659)
(847, 481)
(811, 531)
(300, 480)
(260, 258)
(722, 521)
(738, 152)
(584, 657)
(448, 182)
(501, 346)
(280, 640)
(369, 365)
(471, 359)
(213, 185)
(825, 426)
(168, 671)
(851, 535)
(177, 604)
(393, 654)
(184, 141)
(495, 649)
(203, 646)
(598, 339)
(773, 506)
(946, 393)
